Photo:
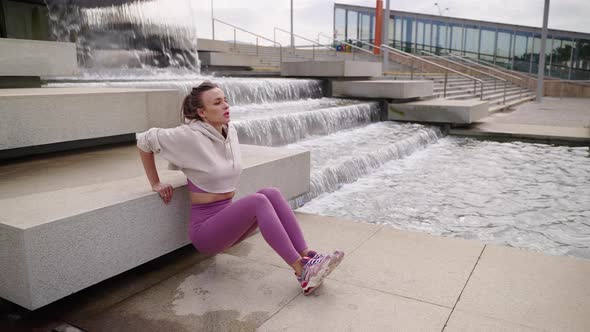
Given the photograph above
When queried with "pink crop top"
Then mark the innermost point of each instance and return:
(193, 188)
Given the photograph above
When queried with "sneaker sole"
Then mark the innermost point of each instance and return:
(316, 280)
(337, 257)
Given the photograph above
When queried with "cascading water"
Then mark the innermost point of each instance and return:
(129, 34)
(290, 128)
(348, 155)
(239, 91)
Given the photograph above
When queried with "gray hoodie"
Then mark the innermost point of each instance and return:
(209, 160)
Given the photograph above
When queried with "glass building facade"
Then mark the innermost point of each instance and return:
(510, 46)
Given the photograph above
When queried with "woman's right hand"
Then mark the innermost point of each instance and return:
(165, 191)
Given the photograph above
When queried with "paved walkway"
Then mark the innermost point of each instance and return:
(555, 120)
(391, 280)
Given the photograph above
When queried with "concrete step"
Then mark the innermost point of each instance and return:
(451, 94)
(71, 221)
(513, 102)
(228, 59)
(383, 89)
(20, 57)
(497, 102)
(285, 52)
(500, 101)
(458, 112)
(499, 95)
(486, 92)
(331, 69)
(487, 89)
(80, 116)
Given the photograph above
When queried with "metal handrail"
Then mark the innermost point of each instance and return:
(462, 65)
(523, 75)
(447, 70)
(496, 78)
(252, 33)
(487, 67)
(372, 45)
(306, 39)
(503, 73)
(366, 43)
(345, 43)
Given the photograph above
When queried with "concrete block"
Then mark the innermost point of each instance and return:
(230, 60)
(440, 111)
(212, 45)
(548, 293)
(383, 89)
(32, 117)
(12, 256)
(59, 237)
(331, 69)
(19, 57)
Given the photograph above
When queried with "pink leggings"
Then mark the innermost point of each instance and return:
(217, 226)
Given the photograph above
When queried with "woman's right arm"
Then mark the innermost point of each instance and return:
(149, 165)
(147, 143)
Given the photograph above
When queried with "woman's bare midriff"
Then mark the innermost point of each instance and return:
(206, 198)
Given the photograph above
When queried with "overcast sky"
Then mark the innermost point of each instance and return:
(313, 16)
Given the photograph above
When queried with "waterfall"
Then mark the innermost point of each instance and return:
(328, 178)
(239, 91)
(285, 129)
(132, 34)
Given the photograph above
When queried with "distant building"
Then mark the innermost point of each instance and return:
(507, 45)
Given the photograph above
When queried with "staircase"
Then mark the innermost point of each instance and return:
(458, 87)
(270, 57)
(462, 88)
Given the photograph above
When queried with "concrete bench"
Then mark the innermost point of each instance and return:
(72, 221)
(42, 116)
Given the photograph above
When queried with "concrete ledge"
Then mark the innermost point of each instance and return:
(439, 111)
(19, 57)
(331, 69)
(32, 117)
(212, 45)
(61, 234)
(544, 134)
(383, 89)
(228, 60)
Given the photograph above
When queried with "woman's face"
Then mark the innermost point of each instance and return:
(215, 110)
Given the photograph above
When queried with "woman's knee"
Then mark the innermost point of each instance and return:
(259, 199)
(269, 191)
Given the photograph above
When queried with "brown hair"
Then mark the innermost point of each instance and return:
(194, 100)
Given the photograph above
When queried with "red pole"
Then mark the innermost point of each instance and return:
(378, 25)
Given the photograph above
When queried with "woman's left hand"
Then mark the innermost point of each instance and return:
(165, 191)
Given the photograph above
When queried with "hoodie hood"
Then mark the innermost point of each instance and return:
(212, 133)
(209, 131)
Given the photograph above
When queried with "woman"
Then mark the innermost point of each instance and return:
(206, 149)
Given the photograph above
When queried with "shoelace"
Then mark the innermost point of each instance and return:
(318, 258)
